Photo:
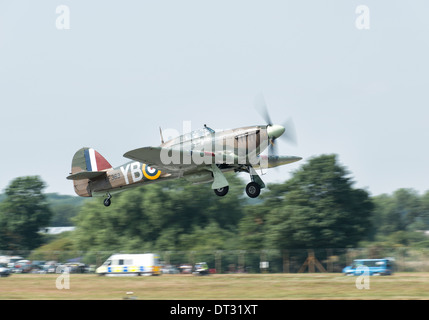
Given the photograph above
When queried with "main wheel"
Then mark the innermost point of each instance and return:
(221, 191)
(253, 189)
(107, 202)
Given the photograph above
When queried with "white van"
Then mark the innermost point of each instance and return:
(139, 264)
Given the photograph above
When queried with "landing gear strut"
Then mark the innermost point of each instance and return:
(107, 201)
(253, 188)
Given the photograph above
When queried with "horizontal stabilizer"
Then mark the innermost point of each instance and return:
(91, 175)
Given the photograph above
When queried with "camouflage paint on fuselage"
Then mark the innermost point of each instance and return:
(109, 180)
(126, 176)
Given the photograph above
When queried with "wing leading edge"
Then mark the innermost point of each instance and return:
(174, 159)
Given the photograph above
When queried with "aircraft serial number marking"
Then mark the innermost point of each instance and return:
(115, 176)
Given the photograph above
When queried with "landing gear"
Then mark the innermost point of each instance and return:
(253, 189)
(107, 201)
(221, 191)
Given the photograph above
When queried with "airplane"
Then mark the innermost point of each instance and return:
(200, 156)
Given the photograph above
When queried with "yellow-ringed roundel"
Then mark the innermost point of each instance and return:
(150, 173)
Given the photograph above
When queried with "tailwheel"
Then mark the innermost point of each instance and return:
(253, 189)
(221, 191)
(107, 201)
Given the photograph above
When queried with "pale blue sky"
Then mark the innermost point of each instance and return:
(124, 68)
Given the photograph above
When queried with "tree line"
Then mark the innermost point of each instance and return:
(318, 207)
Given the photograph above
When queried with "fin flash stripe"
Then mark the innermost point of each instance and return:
(95, 161)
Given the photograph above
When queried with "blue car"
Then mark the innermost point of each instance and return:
(371, 267)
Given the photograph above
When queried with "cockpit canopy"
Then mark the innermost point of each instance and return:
(193, 135)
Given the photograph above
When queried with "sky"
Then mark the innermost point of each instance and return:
(107, 75)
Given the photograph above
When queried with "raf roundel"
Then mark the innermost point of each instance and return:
(150, 173)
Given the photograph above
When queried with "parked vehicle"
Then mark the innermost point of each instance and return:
(4, 259)
(71, 267)
(371, 266)
(139, 264)
(4, 270)
(185, 268)
(37, 266)
(50, 267)
(169, 269)
(22, 266)
(12, 260)
(201, 268)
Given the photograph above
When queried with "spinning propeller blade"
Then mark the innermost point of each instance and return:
(275, 131)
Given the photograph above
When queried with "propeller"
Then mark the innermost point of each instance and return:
(286, 131)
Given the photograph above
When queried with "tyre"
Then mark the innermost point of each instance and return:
(253, 189)
(221, 191)
(107, 202)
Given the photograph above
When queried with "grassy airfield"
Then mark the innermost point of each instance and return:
(221, 286)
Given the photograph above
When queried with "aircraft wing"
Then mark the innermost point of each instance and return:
(275, 161)
(166, 160)
(175, 161)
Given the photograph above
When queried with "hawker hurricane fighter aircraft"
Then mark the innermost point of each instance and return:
(200, 156)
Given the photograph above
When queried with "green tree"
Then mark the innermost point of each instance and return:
(60, 248)
(162, 216)
(212, 237)
(404, 210)
(317, 208)
(64, 208)
(424, 211)
(252, 227)
(23, 212)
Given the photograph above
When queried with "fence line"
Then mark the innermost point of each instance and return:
(255, 261)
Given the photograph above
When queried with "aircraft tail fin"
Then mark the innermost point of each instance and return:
(87, 164)
(88, 159)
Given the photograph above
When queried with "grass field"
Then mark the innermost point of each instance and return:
(220, 286)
